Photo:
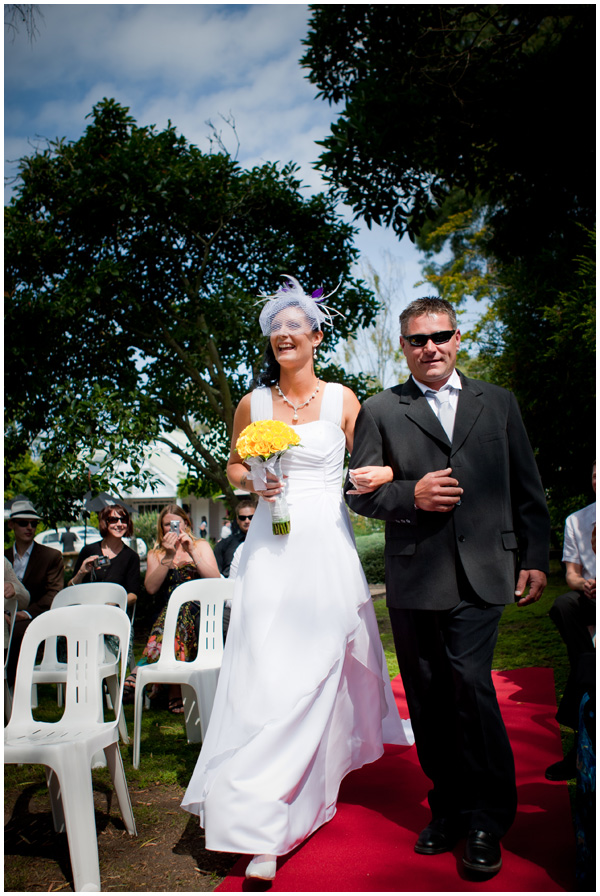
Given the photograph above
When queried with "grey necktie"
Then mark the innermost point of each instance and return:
(444, 410)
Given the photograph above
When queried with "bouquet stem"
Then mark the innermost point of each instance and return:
(280, 512)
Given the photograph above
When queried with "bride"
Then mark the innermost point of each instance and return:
(304, 695)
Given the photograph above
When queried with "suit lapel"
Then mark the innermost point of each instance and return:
(419, 412)
(470, 406)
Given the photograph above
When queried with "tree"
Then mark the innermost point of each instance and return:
(482, 97)
(457, 128)
(545, 353)
(18, 14)
(133, 266)
(374, 351)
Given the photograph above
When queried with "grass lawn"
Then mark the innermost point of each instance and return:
(527, 638)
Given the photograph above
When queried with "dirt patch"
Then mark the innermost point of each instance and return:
(168, 853)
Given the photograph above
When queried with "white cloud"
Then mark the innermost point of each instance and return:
(186, 63)
(171, 44)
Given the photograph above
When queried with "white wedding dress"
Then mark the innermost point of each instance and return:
(304, 695)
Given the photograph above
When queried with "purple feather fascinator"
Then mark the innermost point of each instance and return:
(292, 294)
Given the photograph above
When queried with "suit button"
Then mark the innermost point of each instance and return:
(461, 538)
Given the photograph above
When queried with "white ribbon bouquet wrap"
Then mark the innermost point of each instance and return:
(261, 445)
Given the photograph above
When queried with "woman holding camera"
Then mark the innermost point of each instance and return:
(176, 557)
(110, 560)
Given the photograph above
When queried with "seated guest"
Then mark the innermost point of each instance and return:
(244, 513)
(225, 549)
(176, 557)
(39, 568)
(12, 588)
(118, 562)
(574, 614)
(111, 560)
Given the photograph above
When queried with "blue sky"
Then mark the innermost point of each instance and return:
(189, 63)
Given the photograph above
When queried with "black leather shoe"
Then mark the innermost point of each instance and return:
(563, 770)
(482, 852)
(439, 836)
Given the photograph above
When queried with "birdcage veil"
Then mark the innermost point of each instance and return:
(291, 294)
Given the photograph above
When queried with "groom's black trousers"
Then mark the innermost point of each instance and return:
(445, 659)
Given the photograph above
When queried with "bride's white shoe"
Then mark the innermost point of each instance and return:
(262, 867)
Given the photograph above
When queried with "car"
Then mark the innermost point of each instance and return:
(138, 545)
(85, 535)
(51, 538)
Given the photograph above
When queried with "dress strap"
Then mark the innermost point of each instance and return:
(332, 404)
(261, 404)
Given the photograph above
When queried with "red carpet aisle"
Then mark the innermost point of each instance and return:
(368, 846)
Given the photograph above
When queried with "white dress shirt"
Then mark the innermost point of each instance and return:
(20, 562)
(578, 540)
(453, 387)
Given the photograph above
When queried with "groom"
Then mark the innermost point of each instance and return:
(467, 531)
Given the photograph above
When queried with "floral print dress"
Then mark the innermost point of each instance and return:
(186, 633)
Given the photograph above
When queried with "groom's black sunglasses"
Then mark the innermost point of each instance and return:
(419, 340)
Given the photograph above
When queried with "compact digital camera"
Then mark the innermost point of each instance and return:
(175, 525)
(99, 562)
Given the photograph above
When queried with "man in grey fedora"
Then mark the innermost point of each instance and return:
(39, 568)
(467, 532)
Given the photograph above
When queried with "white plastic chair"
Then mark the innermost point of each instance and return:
(66, 747)
(52, 671)
(198, 678)
(11, 605)
(130, 657)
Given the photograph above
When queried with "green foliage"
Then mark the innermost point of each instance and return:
(448, 113)
(133, 265)
(442, 96)
(145, 527)
(470, 272)
(542, 346)
(364, 525)
(534, 338)
(21, 476)
(370, 551)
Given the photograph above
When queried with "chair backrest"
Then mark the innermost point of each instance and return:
(84, 628)
(210, 594)
(91, 593)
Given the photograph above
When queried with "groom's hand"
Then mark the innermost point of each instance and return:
(437, 491)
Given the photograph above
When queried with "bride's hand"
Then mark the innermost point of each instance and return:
(274, 488)
(368, 479)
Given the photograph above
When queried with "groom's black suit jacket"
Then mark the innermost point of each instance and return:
(502, 521)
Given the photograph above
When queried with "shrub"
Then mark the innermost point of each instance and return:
(370, 550)
(145, 527)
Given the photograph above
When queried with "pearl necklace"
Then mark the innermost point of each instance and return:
(300, 406)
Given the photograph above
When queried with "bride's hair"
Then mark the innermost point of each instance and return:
(270, 371)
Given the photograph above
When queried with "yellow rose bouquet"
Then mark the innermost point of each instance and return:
(260, 445)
